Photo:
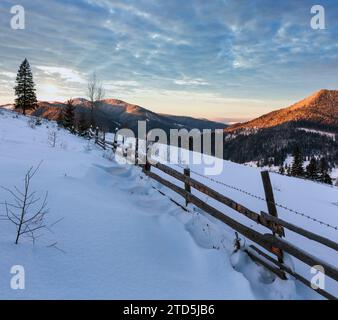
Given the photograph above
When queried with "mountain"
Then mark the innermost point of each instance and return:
(112, 113)
(320, 109)
(311, 124)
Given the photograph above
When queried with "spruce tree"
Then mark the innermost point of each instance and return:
(25, 88)
(312, 169)
(297, 169)
(324, 171)
(288, 171)
(327, 179)
(68, 116)
(82, 124)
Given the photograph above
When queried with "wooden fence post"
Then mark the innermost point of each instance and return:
(96, 134)
(270, 200)
(136, 151)
(147, 165)
(269, 193)
(115, 141)
(187, 186)
(104, 139)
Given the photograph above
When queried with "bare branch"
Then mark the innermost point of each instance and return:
(23, 212)
(95, 93)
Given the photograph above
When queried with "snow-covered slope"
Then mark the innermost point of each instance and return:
(310, 205)
(119, 238)
(319, 108)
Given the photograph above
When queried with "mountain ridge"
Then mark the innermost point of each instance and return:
(320, 108)
(114, 113)
(310, 124)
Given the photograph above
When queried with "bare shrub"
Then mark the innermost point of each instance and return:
(31, 123)
(27, 211)
(109, 155)
(52, 138)
(88, 146)
(95, 93)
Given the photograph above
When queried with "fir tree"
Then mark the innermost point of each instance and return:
(25, 88)
(327, 179)
(324, 171)
(297, 169)
(68, 116)
(288, 171)
(281, 169)
(312, 169)
(82, 124)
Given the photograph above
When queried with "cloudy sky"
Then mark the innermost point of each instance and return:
(224, 59)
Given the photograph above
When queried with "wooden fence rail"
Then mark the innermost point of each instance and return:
(273, 243)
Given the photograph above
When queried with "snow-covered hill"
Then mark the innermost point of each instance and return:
(121, 239)
(320, 108)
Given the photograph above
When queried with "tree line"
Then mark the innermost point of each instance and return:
(318, 169)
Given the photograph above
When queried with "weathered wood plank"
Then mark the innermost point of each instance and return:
(187, 186)
(267, 241)
(308, 234)
(217, 196)
(292, 273)
(300, 254)
(242, 229)
(278, 272)
(270, 199)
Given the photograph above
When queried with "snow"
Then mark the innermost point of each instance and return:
(121, 239)
(316, 200)
(323, 133)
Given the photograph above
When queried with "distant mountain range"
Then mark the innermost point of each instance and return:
(111, 114)
(320, 109)
(311, 124)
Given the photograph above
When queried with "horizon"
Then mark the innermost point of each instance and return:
(228, 121)
(222, 61)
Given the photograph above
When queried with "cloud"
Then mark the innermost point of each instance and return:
(190, 82)
(67, 74)
(255, 50)
(7, 74)
(167, 39)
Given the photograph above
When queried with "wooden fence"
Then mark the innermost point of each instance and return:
(272, 242)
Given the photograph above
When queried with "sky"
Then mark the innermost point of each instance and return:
(229, 60)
